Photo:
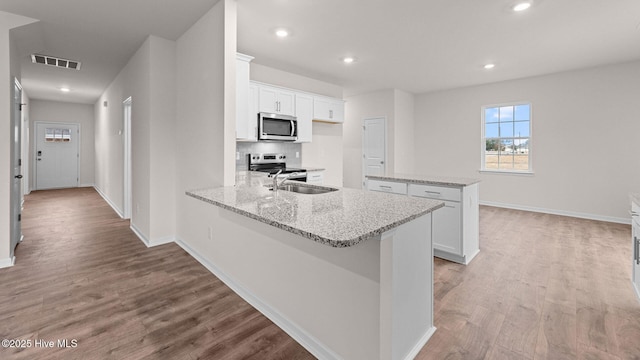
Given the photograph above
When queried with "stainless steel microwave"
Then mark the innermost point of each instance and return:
(277, 127)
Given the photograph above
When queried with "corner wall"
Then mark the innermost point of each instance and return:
(585, 132)
(9, 69)
(148, 79)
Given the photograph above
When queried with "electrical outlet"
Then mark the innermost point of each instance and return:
(237, 155)
(297, 154)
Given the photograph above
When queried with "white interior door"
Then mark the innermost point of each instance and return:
(57, 153)
(127, 158)
(374, 150)
(16, 164)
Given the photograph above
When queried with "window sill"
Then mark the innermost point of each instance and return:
(507, 172)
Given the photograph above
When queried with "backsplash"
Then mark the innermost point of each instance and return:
(289, 149)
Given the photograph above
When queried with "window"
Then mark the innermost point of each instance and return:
(506, 140)
(57, 135)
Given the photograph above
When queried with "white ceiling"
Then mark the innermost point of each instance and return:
(412, 45)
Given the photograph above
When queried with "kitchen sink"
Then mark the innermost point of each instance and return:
(302, 189)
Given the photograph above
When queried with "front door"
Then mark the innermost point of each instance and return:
(16, 164)
(56, 155)
(374, 147)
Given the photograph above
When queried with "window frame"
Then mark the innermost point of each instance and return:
(483, 139)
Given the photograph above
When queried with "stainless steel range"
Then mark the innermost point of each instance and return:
(273, 163)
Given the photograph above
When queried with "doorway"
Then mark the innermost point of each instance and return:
(127, 158)
(16, 167)
(374, 147)
(56, 154)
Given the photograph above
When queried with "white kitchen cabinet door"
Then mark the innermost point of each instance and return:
(304, 114)
(328, 109)
(447, 228)
(245, 128)
(277, 101)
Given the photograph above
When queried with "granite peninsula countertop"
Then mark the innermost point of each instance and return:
(426, 179)
(339, 218)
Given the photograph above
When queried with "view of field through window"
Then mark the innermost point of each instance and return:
(507, 134)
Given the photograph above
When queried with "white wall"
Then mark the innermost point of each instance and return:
(148, 79)
(202, 59)
(585, 131)
(325, 148)
(9, 69)
(62, 112)
(396, 107)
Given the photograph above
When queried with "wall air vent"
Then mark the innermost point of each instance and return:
(54, 61)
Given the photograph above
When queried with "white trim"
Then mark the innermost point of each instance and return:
(87, 185)
(636, 290)
(151, 243)
(507, 172)
(558, 212)
(421, 343)
(8, 262)
(127, 108)
(315, 347)
(113, 206)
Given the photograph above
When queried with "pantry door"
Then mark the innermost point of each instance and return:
(374, 148)
(56, 155)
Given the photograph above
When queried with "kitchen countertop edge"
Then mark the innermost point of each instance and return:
(315, 237)
(426, 179)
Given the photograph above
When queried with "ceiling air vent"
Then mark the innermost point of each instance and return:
(54, 61)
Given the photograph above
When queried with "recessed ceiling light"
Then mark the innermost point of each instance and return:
(522, 6)
(282, 33)
(348, 60)
(489, 66)
(65, 89)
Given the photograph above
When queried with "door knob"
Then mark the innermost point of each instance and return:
(18, 176)
(381, 162)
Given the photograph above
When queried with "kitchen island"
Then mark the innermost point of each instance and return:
(456, 230)
(348, 273)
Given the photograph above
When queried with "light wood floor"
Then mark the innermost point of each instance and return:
(543, 287)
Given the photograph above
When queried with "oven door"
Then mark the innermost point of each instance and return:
(277, 127)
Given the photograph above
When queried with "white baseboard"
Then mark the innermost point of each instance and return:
(315, 347)
(559, 212)
(420, 344)
(637, 290)
(8, 262)
(87, 185)
(113, 206)
(151, 243)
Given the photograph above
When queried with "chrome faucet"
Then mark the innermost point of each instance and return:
(284, 177)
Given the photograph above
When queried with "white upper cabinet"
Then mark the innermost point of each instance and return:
(328, 109)
(304, 114)
(276, 100)
(245, 121)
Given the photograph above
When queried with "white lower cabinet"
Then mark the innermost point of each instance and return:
(455, 226)
(315, 177)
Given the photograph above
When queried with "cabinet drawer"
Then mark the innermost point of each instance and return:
(315, 177)
(387, 186)
(435, 192)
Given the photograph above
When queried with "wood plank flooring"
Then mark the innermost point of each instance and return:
(543, 287)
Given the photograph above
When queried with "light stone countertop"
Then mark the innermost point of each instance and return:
(426, 179)
(635, 197)
(339, 218)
